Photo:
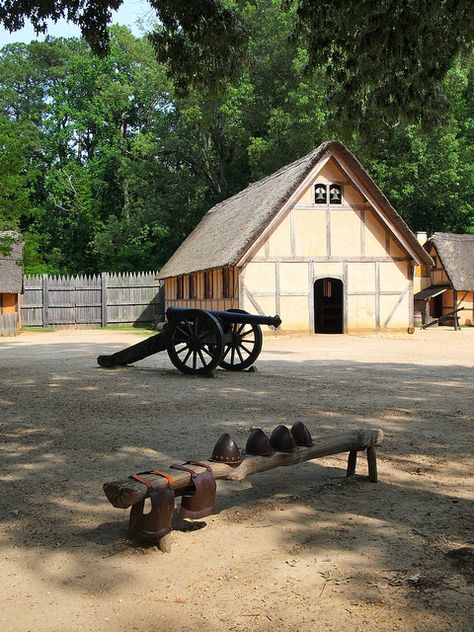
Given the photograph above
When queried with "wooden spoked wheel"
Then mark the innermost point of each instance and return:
(195, 342)
(244, 347)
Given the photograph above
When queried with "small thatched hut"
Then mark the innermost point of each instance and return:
(11, 282)
(316, 242)
(451, 280)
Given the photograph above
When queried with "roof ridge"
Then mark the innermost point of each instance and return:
(276, 174)
(453, 235)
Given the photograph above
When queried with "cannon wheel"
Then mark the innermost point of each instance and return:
(195, 342)
(245, 346)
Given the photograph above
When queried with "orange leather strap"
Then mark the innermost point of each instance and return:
(168, 477)
(140, 479)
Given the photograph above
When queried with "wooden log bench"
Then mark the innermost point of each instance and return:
(128, 492)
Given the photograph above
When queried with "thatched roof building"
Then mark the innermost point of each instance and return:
(316, 242)
(456, 253)
(230, 228)
(446, 293)
(11, 264)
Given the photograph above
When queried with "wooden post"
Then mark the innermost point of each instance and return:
(372, 463)
(103, 296)
(164, 543)
(45, 290)
(455, 306)
(377, 295)
(351, 463)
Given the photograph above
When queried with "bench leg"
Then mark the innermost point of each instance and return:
(351, 463)
(372, 463)
(165, 543)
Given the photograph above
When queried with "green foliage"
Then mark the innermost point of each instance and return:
(18, 142)
(106, 165)
(429, 176)
(386, 59)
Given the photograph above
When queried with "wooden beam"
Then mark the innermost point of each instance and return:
(251, 298)
(328, 232)
(293, 232)
(395, 307)
(362, 231)
(377, 295)
(333, 207)
(345, 304)
(326, 259)
(127, 492)
(411, 294)
(311, 295)
(277, 287)
(263, 294)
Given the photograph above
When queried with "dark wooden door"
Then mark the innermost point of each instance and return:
(328, 306)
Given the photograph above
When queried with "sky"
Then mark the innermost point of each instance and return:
(133, 13)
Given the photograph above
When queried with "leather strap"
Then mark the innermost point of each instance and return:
(140, 479)
(168, 477)
(201, 464)
(185, 469)
(149, 486)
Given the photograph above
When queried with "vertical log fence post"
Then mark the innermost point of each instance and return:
(103, 294)
(45, 292)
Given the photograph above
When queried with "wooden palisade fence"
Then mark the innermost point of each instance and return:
(8, 324)
(100, 299)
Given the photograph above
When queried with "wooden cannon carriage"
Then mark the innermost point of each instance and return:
(197, 341)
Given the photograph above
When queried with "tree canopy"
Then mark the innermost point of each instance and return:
(107, 164)
(388, 58)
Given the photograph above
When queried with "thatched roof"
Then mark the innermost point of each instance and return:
(229, 229)
(456, 253)
(11, 265)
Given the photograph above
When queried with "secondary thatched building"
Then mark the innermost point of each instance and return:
(450, 283)
(11, 282)
(316, 242)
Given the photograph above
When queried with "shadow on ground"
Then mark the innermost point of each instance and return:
(67, 426)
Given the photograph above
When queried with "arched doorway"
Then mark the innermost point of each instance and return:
(328, 306)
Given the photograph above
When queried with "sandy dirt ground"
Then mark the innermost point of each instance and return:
(299, 548)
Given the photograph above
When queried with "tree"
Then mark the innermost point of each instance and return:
(109, 166)
(204, 37)
(17, 144)
(386, 58)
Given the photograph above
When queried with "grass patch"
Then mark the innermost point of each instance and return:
(40, 330)
(129, 329)
(142, 331)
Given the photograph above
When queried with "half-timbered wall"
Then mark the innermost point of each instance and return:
(345, 241)
(220, 292)
(438, 273)
(452, 299)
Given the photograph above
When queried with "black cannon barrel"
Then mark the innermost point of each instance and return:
(230, 316)
(137, 352)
